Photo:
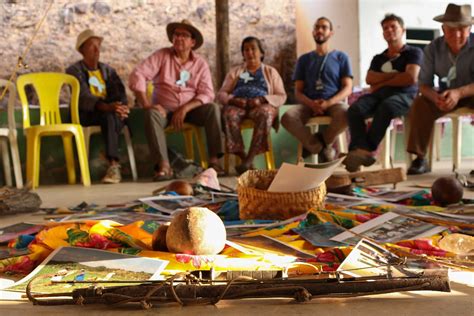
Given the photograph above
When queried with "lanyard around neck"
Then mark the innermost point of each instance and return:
(321, 68)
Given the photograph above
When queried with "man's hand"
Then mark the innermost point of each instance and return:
(238, 102)
(319, 106)
(448, 99)
(122, 110)
(177, 120)
(375, 87)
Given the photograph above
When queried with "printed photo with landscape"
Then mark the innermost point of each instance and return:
(76, 265)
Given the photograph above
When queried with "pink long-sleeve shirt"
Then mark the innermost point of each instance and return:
(164, 69)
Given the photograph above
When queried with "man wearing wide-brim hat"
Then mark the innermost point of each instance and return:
(451, 59)
(102, 98)
(182, 92)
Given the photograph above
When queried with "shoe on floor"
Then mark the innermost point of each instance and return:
(113, 175)
(356, 158)
(418, 166)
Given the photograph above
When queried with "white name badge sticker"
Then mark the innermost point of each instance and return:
(184, 76)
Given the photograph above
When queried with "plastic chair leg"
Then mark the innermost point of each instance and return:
(269, 158)
(437, 141)
(342, 142)
(431, 150)
(314, 129)
(87, 139)
(201, 149)
(33, 143)
(188, 143)
(16, 161)
(457, 137)
(131, 154)
(69, 156)
(82, 156)
(393, 143)
(385, 152)
(6, 161)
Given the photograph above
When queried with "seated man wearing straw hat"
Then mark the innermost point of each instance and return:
(102, 98)
(183, 92)
(451, 59)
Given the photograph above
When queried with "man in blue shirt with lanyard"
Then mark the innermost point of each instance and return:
(323, 80)
(392, 77)
(451, 59)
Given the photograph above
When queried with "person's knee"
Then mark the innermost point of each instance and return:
(353, 112)
(287, 120)
(211, 109)
(339, 114)
(228, 115)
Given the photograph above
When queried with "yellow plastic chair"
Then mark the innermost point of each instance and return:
(8, 135)
(269, 158)
(189, 131)
(48, 87)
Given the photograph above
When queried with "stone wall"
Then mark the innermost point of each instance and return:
(133, 29)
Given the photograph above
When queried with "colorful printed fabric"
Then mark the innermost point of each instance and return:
(136, 239)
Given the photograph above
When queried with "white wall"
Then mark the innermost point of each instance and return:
(343, 14)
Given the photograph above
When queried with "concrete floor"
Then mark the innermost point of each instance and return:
(459, 302)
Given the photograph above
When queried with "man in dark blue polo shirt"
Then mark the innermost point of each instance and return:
(323, 80)
(392, 77)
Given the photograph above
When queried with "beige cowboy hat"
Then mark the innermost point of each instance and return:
(185, 24)
(84, 36)
(456, 15)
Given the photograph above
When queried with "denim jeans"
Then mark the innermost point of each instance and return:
(383, 107)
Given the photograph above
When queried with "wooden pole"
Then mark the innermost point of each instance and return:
(222, 40)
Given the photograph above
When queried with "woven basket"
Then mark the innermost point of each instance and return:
(255, 202)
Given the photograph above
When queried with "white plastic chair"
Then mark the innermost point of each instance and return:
(456, 117)
(9, 135)
(89, 130)
(388, 144)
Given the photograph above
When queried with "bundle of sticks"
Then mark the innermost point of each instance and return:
(187, 289)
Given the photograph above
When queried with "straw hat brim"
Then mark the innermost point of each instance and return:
(84, 36)
(441, 18)
(170, 28)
